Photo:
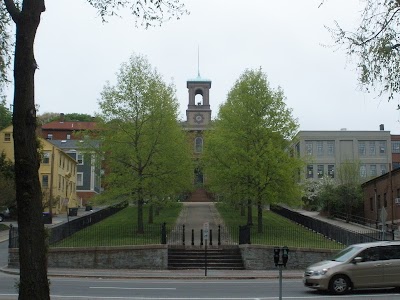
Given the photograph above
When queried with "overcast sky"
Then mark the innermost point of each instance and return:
(77, 54)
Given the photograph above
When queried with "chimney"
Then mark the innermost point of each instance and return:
(381, 127)
(61, 117)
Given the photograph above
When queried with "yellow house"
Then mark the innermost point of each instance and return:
(57, 172)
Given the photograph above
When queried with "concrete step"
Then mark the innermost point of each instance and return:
(222, 259)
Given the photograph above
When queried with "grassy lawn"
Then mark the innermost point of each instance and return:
(121, 229)
(3, 227)
(277, 230)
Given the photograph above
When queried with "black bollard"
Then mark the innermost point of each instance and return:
(219, 235)
(163, 234)
(183, 234)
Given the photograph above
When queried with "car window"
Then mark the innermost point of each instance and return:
(370, 254)
(346, 253)
(391, 252)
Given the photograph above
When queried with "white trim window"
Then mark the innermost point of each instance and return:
(79, 158)
(79, 179)
(46, 157)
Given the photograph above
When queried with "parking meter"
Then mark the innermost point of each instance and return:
(285, 255)
(276, 256)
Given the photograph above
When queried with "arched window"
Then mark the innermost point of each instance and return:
(198, 145)
(198, 97)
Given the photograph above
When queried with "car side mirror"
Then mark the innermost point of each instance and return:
(357, 260)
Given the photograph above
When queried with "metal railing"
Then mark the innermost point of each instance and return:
(181, 235)
(355, 219)
(98, 236)
(64, 230)
(336, 233)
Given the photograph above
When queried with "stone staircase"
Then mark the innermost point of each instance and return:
(199, 195)
(217, 259)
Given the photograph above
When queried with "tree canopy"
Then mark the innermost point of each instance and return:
(5, 47)
(5, 115)
(7, 186)
(146, 152)
(375, 45)
(246, 152)
(71, 117)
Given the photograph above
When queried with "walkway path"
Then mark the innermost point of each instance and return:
(193, 216)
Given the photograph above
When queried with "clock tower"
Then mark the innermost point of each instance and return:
(198, 113)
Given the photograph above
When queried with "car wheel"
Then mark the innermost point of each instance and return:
(1, 218)
(339, 285)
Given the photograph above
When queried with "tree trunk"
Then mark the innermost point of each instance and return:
(151, 214)
(33, 283)
(140, 216)
(259, 217)
(249, 213)
(242, 210)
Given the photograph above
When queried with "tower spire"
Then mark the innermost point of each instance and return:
(198, 61)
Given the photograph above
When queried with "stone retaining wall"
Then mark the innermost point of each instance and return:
(155, 257)
(259, 257)
(128, 257)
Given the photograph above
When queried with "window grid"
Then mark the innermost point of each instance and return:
(45, 181)
(198, 145)
(331, 147)
(320, 148)
(320, 171)
(373, 170)
(331, 171)
(361, 148)
(309, 148)
(310, 171)
(372, 149)
(46, 158)
(382, 148)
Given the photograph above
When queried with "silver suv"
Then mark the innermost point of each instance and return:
(367, 265)
(4, 213)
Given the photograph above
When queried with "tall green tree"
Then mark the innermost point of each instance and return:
(7, 186)
(147, 153)
(349, 187)
(5, 115)
(246, 150)
(26, 16)
(71, 117)
(5, 47)
(375, 46)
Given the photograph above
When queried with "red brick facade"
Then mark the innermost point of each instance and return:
(381, 192)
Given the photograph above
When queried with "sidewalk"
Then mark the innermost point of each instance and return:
(168, 274)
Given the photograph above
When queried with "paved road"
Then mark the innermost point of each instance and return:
(106, 289)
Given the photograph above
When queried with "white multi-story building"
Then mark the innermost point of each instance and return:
(324, 151)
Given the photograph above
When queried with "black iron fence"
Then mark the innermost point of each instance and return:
(97, 236)
(181, 235)
(235, 235)
(314, 233)
(336, 233)
(64, 230)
